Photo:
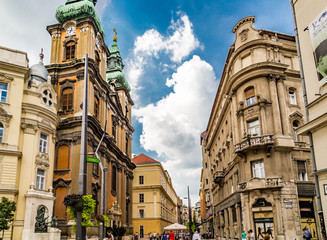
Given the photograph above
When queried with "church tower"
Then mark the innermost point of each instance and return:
(80, 32)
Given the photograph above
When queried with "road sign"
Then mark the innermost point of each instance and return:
(92, 160)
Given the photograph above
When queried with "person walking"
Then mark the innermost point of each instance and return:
(196, 236)
(164, 236)
(150, 236)
(154, 236)
(171, 235)
(251, 235)
(243, 235)
(136, 236)
(307, 234)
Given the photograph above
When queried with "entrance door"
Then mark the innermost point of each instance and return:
(141, 231)
(264, 225)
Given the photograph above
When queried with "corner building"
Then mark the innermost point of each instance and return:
(79, 32)
(154, 198)
(259, 170)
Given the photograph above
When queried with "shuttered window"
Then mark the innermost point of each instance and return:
(67, 99)
(249, 96)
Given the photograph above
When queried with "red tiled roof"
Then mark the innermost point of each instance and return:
(142, 158)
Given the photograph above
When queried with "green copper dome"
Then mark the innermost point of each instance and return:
(115, 68)
(79, 9)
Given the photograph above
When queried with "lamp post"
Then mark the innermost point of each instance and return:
(189, 212)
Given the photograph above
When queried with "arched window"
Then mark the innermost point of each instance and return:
(113, 179)
(70, 50)
(67, 99)
(1, 132)
(249, 96)
(63, 158)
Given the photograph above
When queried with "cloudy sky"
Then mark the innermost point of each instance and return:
(174, 52)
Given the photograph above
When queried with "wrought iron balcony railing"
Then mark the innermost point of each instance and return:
(254, 142)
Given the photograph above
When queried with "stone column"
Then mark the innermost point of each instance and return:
(239, 223)
(278, 220)
(275, 104)
(246, 211)
(236, 133)
(241, 122)
(263, 119)
(282, 105)
(226, 223)
(221, 220)
(231, 223)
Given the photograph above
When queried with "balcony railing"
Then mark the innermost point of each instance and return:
(254, 142)
(272, 182)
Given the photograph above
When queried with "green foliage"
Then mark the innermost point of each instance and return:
(192, 226)
(88, 208)
(117, 231)
(102, 218)
(7, 209)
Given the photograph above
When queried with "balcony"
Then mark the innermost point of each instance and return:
(218, 177)
(254, 142)
(261, 183)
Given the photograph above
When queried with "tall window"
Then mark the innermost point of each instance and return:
(141, 212)
(70, 50)
(231, 185)
(40, 179)
(126, 144)
(141, 179)
(249, 96)
(3, 92)
(302, 171)
(63, 158)
(113, 130)
(43, 143)
(95, 168)
(113, 179)
(96, 107)
(1, 132)
(258, 169)
(97, 59)
(141, 197)
(295, 126)
(253, 127)
(292, 96)
(67, 99)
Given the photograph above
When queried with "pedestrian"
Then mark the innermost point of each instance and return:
(307, 234)
(164, 236)
(251, 235)
(154, 236)
(108, 237)
(171, 235)
(196, 236)
(136, 236)
(150, 236)
(243, 235)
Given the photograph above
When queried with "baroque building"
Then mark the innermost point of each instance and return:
(80, 32)
(28, 121)
(257, 170)
(155, 203)
(311, 36)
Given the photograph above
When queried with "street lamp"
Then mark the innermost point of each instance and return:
(189, 212)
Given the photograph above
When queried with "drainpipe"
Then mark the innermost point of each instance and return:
(314, 165)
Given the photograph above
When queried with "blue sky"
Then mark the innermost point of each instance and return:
(173, 52)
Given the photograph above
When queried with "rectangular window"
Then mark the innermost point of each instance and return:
(141, 179)
(249, 96)
(141, 212)
(43, 143)
(40, 179)
(254, 128)
(302, 171)
(292, 96)
(258, 169)
(231, 185)
(96, 107)
(3, 92)
(141, 197)
(1, 132)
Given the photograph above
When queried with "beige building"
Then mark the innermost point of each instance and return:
(154, 198)
(259, 170)
(311, 34)
(28, 121)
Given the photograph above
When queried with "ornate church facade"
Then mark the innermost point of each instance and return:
(40, 125)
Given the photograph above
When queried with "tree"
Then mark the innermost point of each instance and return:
(7, 209)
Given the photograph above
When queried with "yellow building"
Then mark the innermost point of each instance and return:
(311, 36)
(28, 121)
(154, 198)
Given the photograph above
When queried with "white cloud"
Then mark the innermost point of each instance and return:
(172, 126)
(179, 42)
(23, 25)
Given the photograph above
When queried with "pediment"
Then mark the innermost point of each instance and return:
(4, 115)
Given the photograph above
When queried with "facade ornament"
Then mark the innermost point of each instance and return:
(42, 159)
(244, 35)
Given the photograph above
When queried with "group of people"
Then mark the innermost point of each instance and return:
(251, 236)
(109, 236)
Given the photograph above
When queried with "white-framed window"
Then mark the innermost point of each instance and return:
(1, 132)
(249, 96)
(302, 170)
(40, 179)
(141, 197)
(3, 92)
(254, 127)
(231, 185)
(141, 179)
(141, 212)
(258, 169)
(292, 95)
(43, 143)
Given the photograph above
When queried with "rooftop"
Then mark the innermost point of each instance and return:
(143, 159)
